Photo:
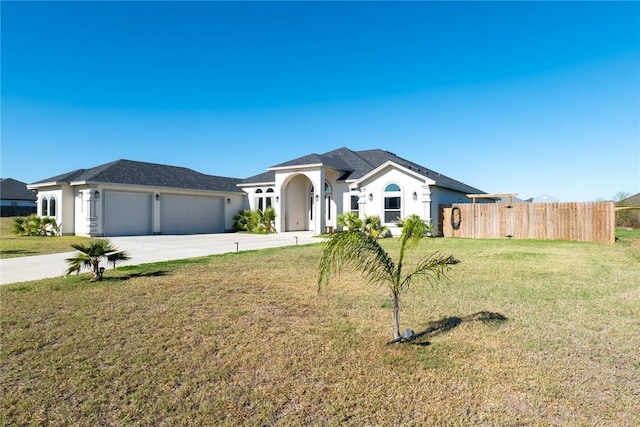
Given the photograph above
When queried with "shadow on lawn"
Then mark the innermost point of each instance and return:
(17, 252)
(158, 273)
(448, 323)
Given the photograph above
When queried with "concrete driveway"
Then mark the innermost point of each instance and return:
(147, 249)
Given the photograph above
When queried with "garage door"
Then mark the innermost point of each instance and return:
(191, 214)
(127, 214)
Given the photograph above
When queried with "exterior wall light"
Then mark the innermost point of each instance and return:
(157, 196)
(97, 194)
(415, 196)
(228, 200)
(317, 197)
(277, 199)
(371, 197)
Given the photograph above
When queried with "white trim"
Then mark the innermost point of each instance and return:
(389, 163)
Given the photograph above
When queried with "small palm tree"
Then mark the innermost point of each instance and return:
(363, 251)
(245, 220)
(371, 224)
(373, 227)
(266, 220)
(350, 221)
(34, 225)
(90, 255)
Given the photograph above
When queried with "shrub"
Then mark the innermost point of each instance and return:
(34, 225)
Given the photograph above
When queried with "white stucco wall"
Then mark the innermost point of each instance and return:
(373, 190)
(49, 193)
(84, 212)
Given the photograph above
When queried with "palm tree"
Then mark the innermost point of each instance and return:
(373, 227)
(34, 225)
(245, 220)
(371, 224)
(363, 251)
(266, 220)
(90, 255)
(350, 221)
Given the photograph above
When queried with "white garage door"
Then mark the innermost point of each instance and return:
(127, 214)
(192, 214)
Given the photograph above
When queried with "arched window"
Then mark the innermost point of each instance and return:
(392, 203)
(269, 198)
(44, 207)
(259, 199)
(52, 206)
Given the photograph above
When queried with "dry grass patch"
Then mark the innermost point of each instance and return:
(245, 339)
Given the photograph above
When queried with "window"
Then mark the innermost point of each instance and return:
(392, 203)
(311, 196)
(354, 204)
(45, 207)
(327, 198)
(52, 206)
(269, 198)
(263, 202)
(259, 199)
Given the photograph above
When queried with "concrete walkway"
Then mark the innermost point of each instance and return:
(147, 249)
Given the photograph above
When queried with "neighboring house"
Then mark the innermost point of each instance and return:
(16, 199)
(308, 193)
(134, 198)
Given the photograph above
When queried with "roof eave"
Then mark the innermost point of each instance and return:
(295, 167)
(37, 185)
(253, 184)
(388, 163)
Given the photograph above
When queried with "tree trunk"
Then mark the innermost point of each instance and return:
(94, 270)
(396, 315)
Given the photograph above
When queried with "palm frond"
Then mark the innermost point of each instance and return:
(431, 268)
(78, 262)
(116, 257)
(89, 255)
(359, 250)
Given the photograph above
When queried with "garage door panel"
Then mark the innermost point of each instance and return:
(182, 214)
(127, 213)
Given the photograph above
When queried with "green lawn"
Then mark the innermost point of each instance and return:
(12, 245)
(245, 339)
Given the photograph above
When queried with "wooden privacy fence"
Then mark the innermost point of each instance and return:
(587, 222)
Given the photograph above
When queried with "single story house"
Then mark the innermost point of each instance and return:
(16, 199)
(307, 193)
(127, 197)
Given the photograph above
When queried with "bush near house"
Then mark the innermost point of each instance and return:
(34, 225)
(255, 221)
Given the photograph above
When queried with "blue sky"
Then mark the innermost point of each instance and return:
(532, 98)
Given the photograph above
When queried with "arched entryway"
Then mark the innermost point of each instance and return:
(299, 204)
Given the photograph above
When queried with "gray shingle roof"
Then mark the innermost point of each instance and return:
(148, 174)
(11, 189)
(269, 176)
(356, 164)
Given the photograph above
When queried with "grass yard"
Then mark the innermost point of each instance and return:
(12, 245)
(245, 339)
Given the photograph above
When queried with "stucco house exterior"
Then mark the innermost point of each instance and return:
(127, 197)
(308, 193)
